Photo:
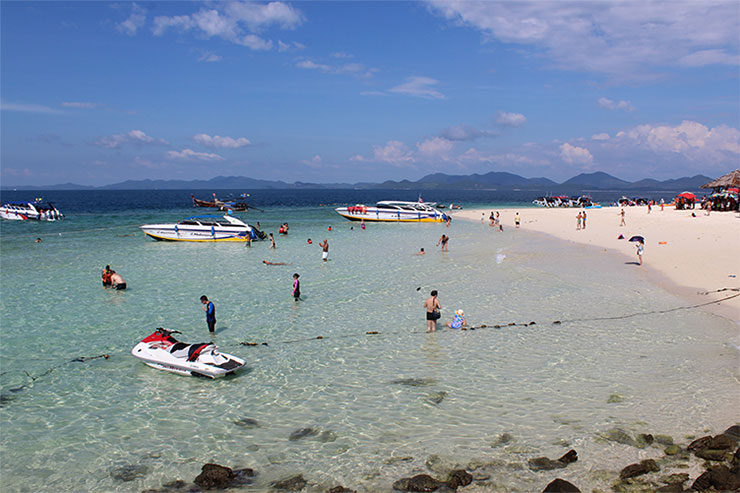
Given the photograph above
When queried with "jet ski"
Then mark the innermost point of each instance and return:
(162, 351)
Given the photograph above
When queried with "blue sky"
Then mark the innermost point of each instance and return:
(95, 93)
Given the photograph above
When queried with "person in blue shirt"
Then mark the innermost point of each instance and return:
(210, 310)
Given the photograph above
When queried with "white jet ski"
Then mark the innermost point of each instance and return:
(162, 351)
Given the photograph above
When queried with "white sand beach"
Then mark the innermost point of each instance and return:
(685, 254)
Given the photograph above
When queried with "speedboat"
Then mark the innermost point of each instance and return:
(26, 211)
(162, 351)
(395, 211)
(204, 228)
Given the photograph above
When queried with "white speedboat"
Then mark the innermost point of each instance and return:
(395, 211)
(204, 228)
(30, 211)
(162, 351)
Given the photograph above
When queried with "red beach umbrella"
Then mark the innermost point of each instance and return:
(687, 195)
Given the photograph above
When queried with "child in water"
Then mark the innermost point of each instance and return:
(458, 320)
(296, 287)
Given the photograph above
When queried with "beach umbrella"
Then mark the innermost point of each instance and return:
(638, 238)
(686, 195)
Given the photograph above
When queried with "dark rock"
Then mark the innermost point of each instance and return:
(681, 477)
(294, 483)
(722, 442)
(718, 477)
(569, 457)
(341, 489)
(643, 467)
(733, 432)
(176, 485)
(699, 443)
(420, 482)
(664, 439)
(214, 476)
(129, 472)
(671, 488)
(644, 439)
(415, 382)
(303, 433)
(712, 454)
(436, 397)
(545, 464)
(247, 423)
(560, 486)
(6, 399)
(458, 478)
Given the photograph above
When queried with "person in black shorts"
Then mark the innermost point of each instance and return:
(117, 282)
(210, 310)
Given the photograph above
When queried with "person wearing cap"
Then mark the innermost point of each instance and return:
(458, 320)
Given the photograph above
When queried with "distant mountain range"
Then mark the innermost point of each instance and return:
(489, 181)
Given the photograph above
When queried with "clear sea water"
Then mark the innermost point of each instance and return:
(380, 404)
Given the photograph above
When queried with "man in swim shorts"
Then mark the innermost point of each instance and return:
(432, 307)
(210, 310)
(117, 282)
(443, 241)
(325, 249)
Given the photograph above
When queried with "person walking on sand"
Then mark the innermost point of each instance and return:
(296, 287)
(432, 307)
(662, 204)
(640, 249)
(443, 241)
(584, 219)
(578, 221)
(517, 220)
(324, 249)
(210, 310)
(621, 222)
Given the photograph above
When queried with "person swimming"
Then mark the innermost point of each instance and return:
(458, 320)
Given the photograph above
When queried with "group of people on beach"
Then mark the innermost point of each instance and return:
(581, 220)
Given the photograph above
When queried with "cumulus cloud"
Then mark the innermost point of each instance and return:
(601, 136)
(136, 20)
(191, 155)
(690, 139)
(615, 38)
(615, 105)
(134, 136)
(218, 141)
(511, 119)
(236, 22)
(420, 87)
(393, 152)
(209, 57)
(575, 155)
(314, 162)
(436, 147)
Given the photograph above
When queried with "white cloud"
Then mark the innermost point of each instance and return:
(690, 139)
(134, 136)
(79, 104)
(136, 20)
(465, 132)
(420, 87)
(236, 22)
(341, 54)
(191, 155)
(511, 119)
(393, 152)
(218, 141)
(294, 46)
(435, 147)
(601, 136)
(27, 108)
(354, 69)
(507, 158)
(575, 155)
(209, 57)
(619, 39)
(615, 105)
(314, 162)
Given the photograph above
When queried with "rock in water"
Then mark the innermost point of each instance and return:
(644, 467)
(247, 423)
(569, 457)
(415, 382)
(214, 476)
(294, 483)
(302, 433)
(420, 482)
(643, 440)
(718, 477)
(458, 478)
(733, 432)
(560, 486)
(545, 464)
(502, 439)
(436, 397)
(129, 472)
(619, 436)
(341, 489)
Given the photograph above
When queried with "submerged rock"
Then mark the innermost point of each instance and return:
(340, 489)
(129, 472)
(458, 478)
(643, 440)
(6, 399)
(303, 433)
(712, 454)
(502, 439)
(614, 398)
(664, 439)
(327, 436)
(560, 486)
(420, 482)
(633, 470)
(293, 483)
(672, 450)
(247, 423)
(546, 464)
(415, 382)
(215, 476)
(620, 436)
(436, 397)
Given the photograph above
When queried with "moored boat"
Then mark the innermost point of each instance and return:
(30, 211)
(393, 211)
(204, 228)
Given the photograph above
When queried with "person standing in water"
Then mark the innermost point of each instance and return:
(210, 310)
(106, 277)
(296, 287)
(272, 241)
(432, 307)
(117, 282)
(325, 249)
(443, 241)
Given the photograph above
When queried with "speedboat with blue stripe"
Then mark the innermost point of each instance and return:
(393, 211)
(204, 228)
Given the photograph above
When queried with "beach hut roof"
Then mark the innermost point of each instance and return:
(731, 179)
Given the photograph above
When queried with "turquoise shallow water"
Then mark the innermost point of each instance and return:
(73, 428)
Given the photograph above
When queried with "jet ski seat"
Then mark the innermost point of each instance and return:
(189, 351)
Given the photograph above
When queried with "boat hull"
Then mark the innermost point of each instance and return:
(374, 214)
(169, 234)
